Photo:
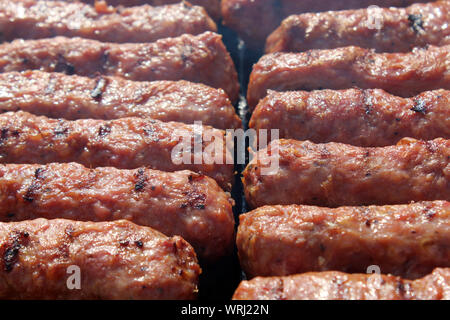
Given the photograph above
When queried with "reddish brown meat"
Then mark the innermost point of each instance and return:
(73, 97)
(179, 203)
(116, 260)
(402, 74)
(354, 116)
(33, 19)
(404, 240)
(385, 30)
(202, 59)
(335, 174)
(254, 20)
(211, 6)
(334, 285)
(125, 143)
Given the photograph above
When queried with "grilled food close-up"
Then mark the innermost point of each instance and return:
(119, 259)
(360, 117)
(282, 240)
(335, 285)
(219, 150)
(125, 143)
(57, 95)
(384, 30)
(403, 74)
(254, 20)
(176, 58)
(35, 19)
(337, 174)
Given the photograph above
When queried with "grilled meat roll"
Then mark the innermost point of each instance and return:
(407, 240)
(367, 118)
(175, 203)
(333, 285)
(57, 95)
(125, 143)
(401, 74)
(202, 59)
(336, 174)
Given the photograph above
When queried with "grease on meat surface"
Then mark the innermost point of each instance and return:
(57, 95)
(404, 240)
(401, 74)
(32, 19)
(245, 16)
(367, 118)
(335, 174)
(116, 260)
(175, 203)
(333, 285)
(398, 29)
(126, 143)
(178, 58)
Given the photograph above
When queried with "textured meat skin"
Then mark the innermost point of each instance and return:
(125, 143)
(333, 285)
(335, 174)
(245, 16)
(202, 59)
(73, 97)
(368, 118)
(404, 240)
(117, 260)
(32, 19)
(401, 29)
(179, 203)
(211, 6)
(402, 74)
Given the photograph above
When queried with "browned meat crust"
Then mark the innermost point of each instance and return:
(73, 97)
(179, 203)
(354, 116)
(399, 30)
(32, 19)
(254, 20)
(335, 174)
(402, 74)
(334, 285)
(125, 143)
(116, 260)
(404, 240)
(202, 59)
(211, 6)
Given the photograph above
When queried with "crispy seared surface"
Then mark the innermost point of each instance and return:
(178, 58)
(125, 143)
(334, 285)
(335, 174)
(178, 203)
(117, 260)
(211, 6)
(73, 97)
(402, 74)
(32, 19)
(404, 240)
(368, 118)
(254, 20)
(399, 29)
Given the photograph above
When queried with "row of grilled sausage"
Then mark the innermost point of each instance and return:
(292, 25)
(306, 26)
(372, 172)
(362, 154)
